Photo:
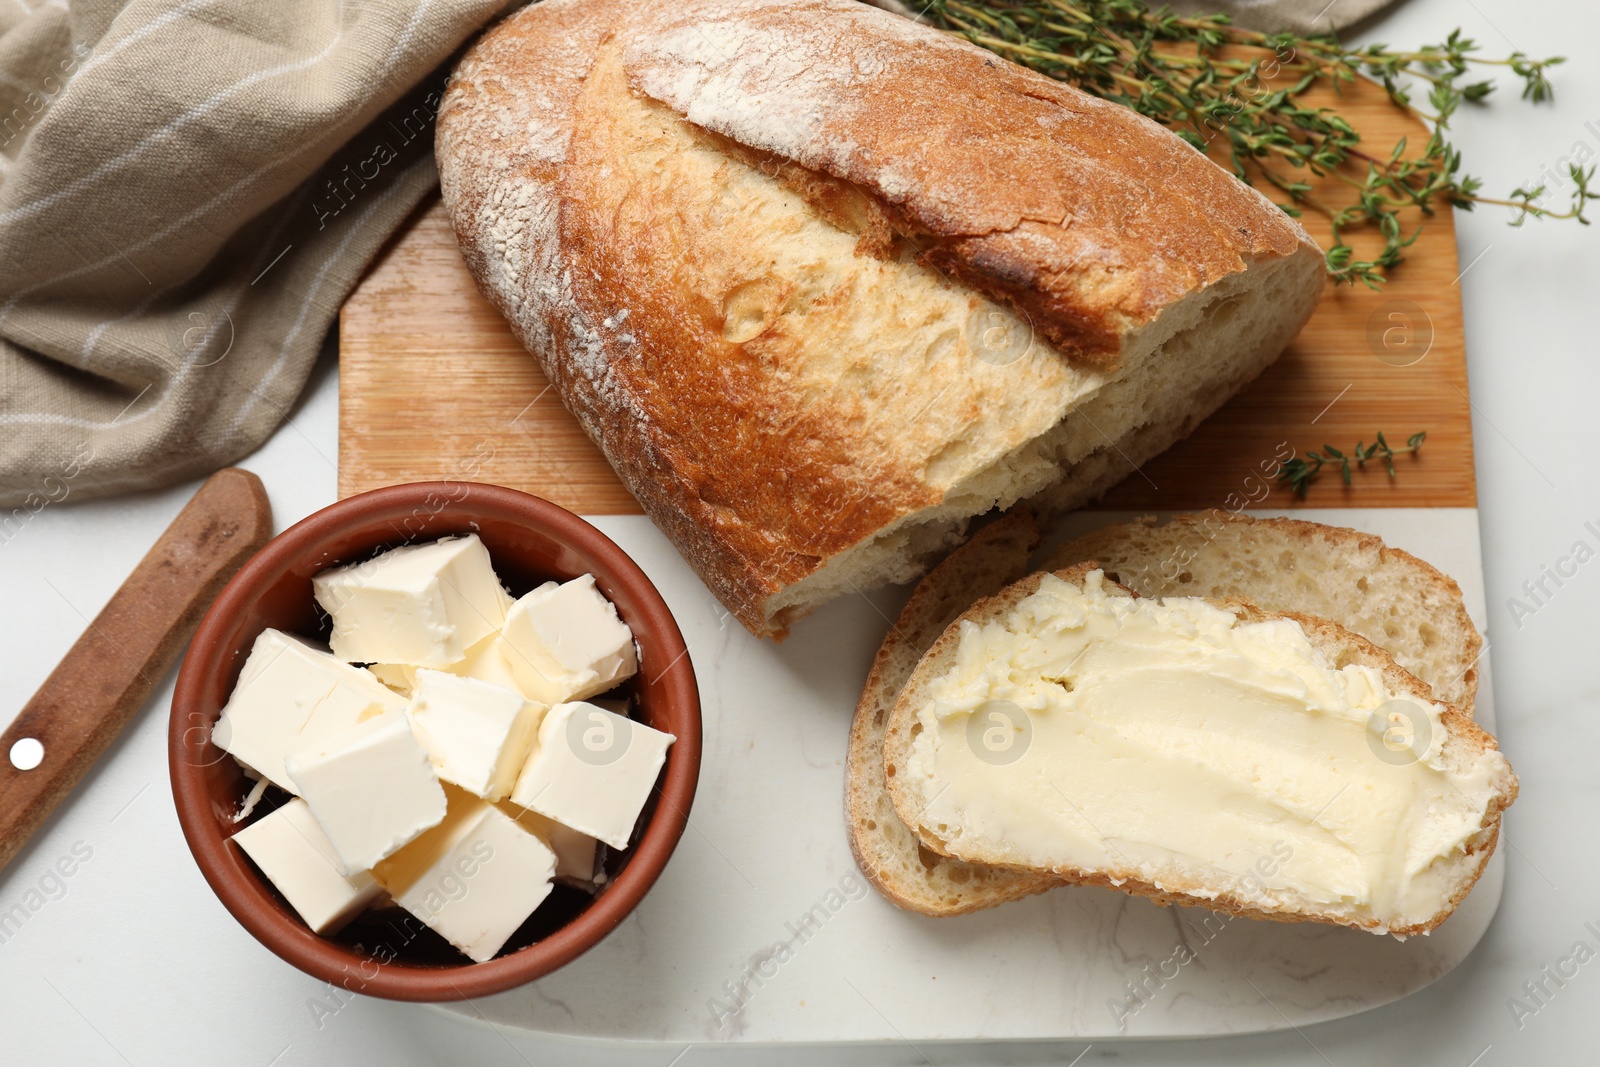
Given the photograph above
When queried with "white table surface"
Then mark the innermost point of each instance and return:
(132, 959)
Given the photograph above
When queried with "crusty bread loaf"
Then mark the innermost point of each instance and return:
(1393, 599)
(1168, 882)
(886, 850)
(823, 284)
(1331, 566)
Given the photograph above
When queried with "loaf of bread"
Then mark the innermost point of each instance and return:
(823, 283)
(1227, 796)
(1388, 596)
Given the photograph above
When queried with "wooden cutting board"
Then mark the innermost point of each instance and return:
(434, 385)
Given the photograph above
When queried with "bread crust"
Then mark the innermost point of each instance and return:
(1341, 646)
(1088, 218)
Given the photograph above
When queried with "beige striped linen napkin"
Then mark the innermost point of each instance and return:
(188, 189)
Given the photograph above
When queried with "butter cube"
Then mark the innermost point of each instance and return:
(577, 854)
(292, 694)
(473, 879)
(371, 789)
(419, 605)
(476, 735)
(566, 642)
(592, 770)
(297, 857)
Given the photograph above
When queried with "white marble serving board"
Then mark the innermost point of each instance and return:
(766, 845)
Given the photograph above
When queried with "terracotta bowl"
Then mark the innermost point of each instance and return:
(530, 541)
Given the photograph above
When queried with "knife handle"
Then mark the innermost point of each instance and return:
(110, 672)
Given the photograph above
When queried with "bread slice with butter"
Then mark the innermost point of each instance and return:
(1165, 748)
(1388, 596)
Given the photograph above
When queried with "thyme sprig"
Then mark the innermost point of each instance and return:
(1298, 473)
(1209, 80)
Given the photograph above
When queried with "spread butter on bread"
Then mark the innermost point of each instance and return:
(1203, 752)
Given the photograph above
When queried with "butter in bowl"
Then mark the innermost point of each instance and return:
(437, 773)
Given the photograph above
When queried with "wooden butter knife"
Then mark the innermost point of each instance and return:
(112, 669)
